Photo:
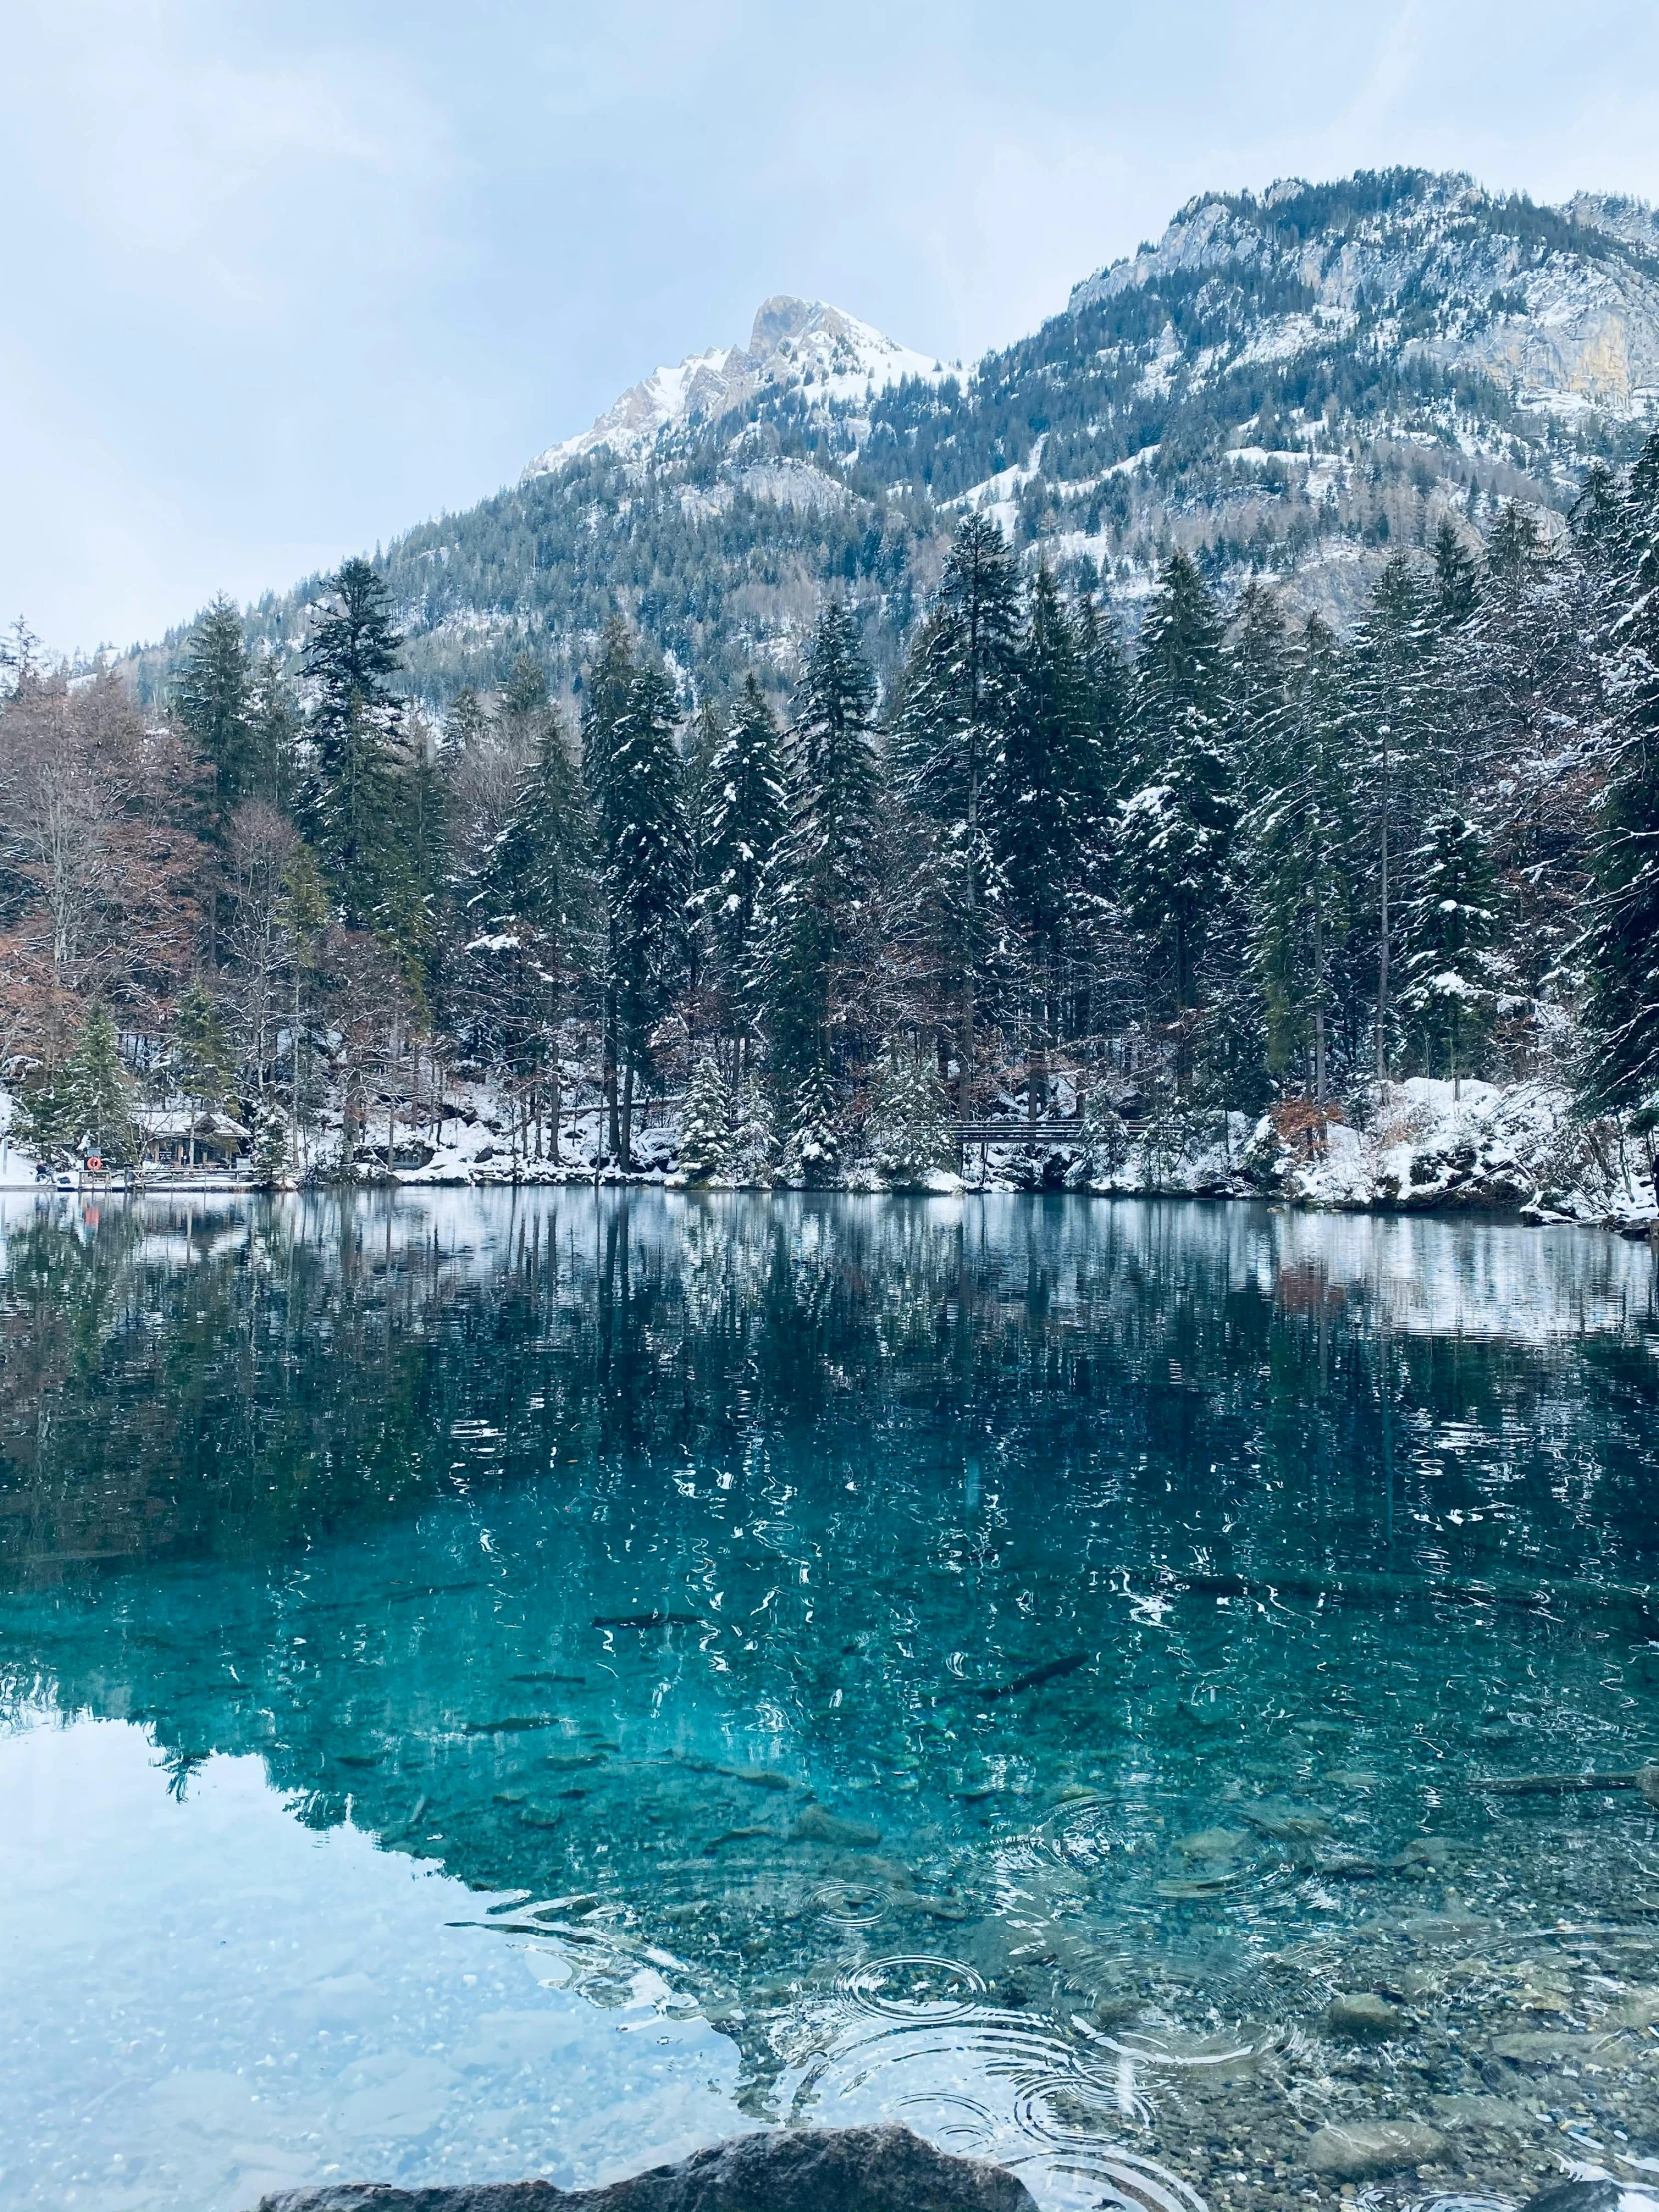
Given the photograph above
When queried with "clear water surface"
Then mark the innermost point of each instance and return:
(499, 1683)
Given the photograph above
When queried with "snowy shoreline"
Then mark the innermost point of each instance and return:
(1514, 1150)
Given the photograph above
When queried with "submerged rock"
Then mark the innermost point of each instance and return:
(1386, 2147)
(850, 2169)
(815, 1825)
(1362, 2018)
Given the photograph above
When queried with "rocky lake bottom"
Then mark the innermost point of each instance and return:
(506, 1683)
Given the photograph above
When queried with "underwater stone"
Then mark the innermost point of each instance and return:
(852, 2169)
(814, 1825)
(1351, 2153)
(1361, 2019)
(1579, 2196)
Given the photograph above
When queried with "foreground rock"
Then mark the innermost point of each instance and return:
(1392, 2146)
(1361, 2019)
(850, 2169)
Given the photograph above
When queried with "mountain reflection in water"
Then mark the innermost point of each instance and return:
(1063, 1632)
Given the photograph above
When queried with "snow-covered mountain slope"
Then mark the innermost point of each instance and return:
(1560, 304)
(1296, 383)
(802, 345)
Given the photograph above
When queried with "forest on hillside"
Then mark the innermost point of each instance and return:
(1252, 864)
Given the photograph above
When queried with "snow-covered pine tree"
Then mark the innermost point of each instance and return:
(529, 906)
(1621, 946)
(1259, 671)
(1300, 852)
(272, 1161)
(1048, 807)
(1452, 975)
(960, 703)
(706, 1124)
(811, 1150)
(703, 737)
(1396, 742)
(1174, 829)
(632, 765)
(1456, 575)
(1523, 678)
(752, 1147)
(99, 1094)
(907, 1132)
(813, 936)
(744, 807)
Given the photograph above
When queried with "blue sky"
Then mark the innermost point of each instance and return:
(283, 280)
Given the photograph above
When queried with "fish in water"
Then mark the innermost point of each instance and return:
(514, 1724)
(1051, 1673)
(648, 1620)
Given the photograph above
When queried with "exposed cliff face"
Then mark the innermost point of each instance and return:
(1561, 304)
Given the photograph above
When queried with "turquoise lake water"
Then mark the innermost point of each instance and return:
(502, 1683)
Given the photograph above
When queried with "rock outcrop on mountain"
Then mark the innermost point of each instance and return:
(795, 346)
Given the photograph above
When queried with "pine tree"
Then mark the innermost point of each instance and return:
(1395, 740)
(744, 805)
(1456, 575)
(1621, 946)
(528, 908)
(633, 768)
(1049, 807)
(811, 1154)
(216, 703)
(351, 655)
(960, 703)
(1175, 830)
(98, 1091)
(1452, 974)
(907, 1132)
(278, 733)
(752, 1145)
(1300, 849)
(705, 1127)
(1257, 693)
(272, 1147)
(814, 928)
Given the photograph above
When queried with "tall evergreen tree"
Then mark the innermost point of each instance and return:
(813, 936)
(743, 808)
(633, 770)
(1456, 575)
(1621, 946)
(1452, 975)
(1301, 841)
(959, 705)
(1049, 807)
(1175, 830)
(217, 706)
(351, 655)
(529, 910)
(1396, 738)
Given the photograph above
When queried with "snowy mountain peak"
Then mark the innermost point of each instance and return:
(805, 344)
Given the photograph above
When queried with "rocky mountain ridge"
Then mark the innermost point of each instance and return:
(798, 346)
(1293, 385)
